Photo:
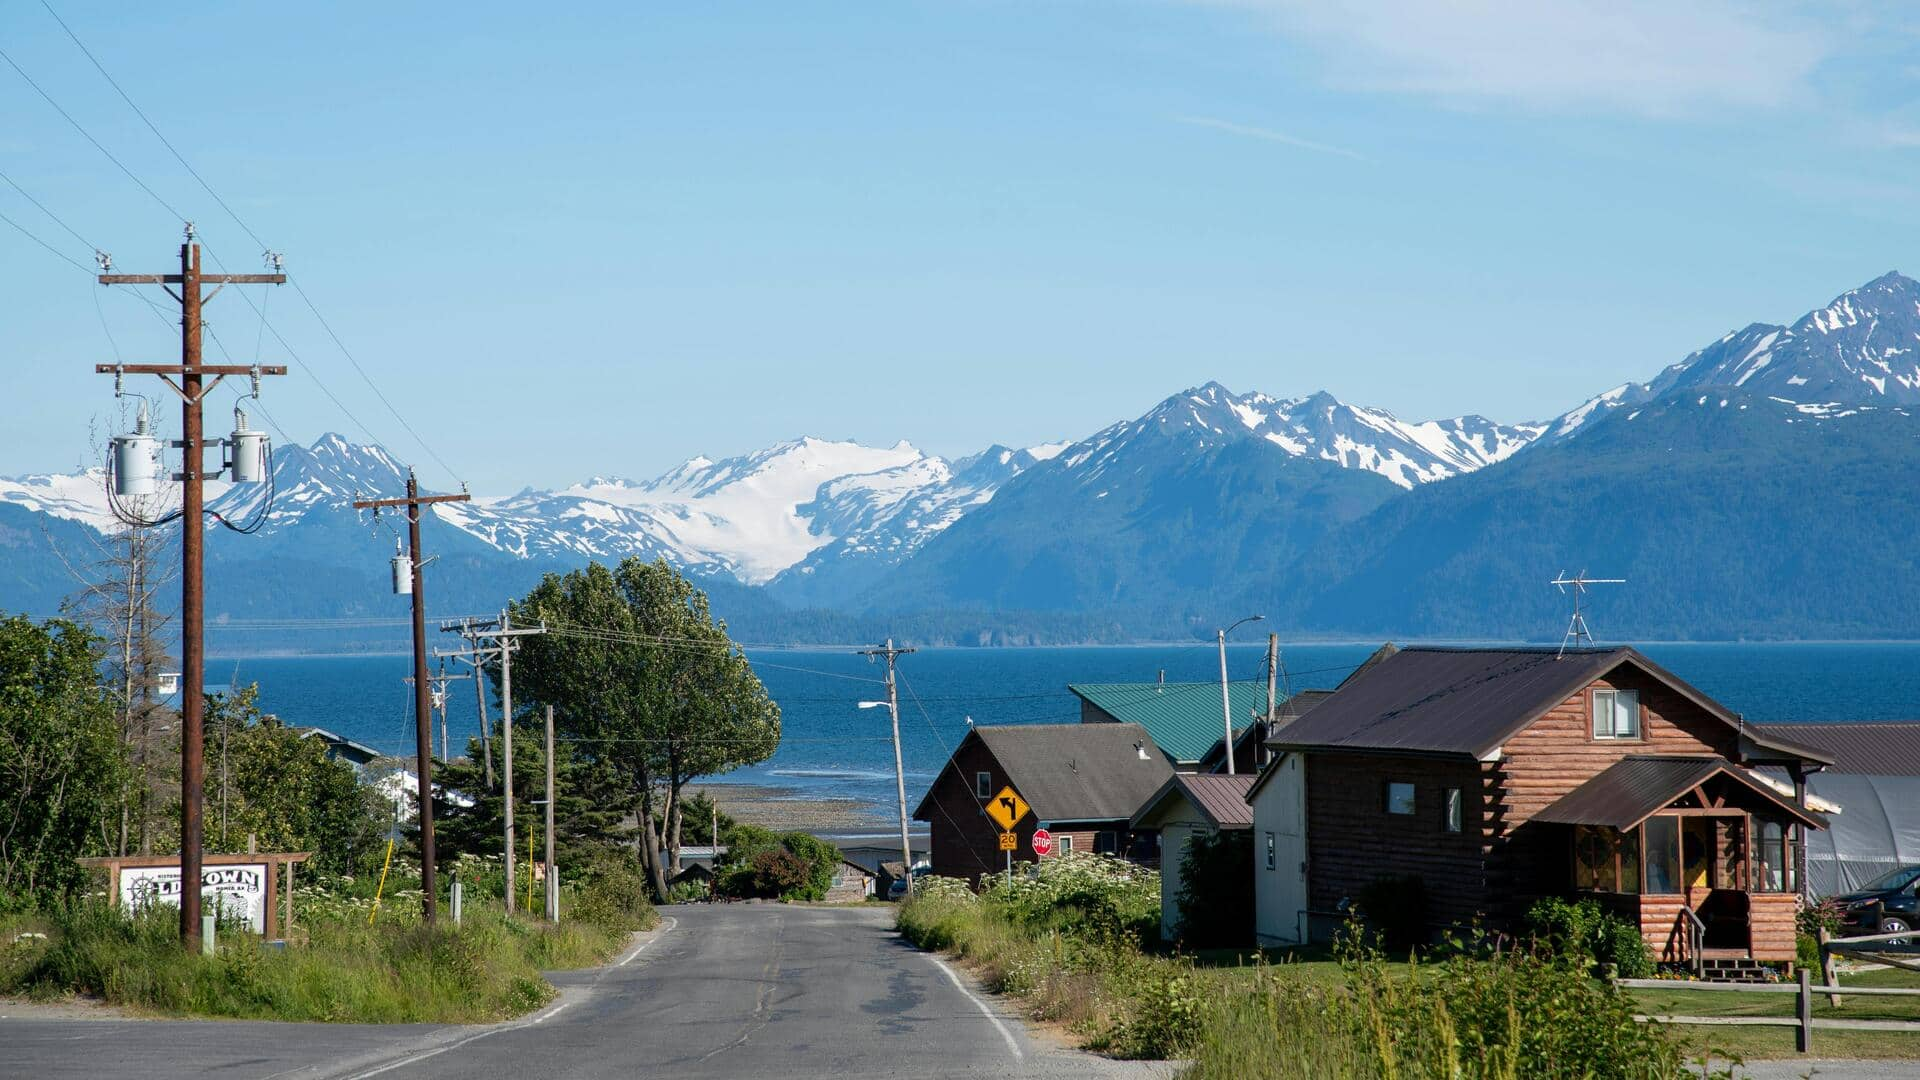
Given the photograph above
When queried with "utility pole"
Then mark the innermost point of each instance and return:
(1226, 700)
(422, 709)
(553, 874)
(192, 390)
(1273, 675)
(899, 770)
(475, 656)
(1273, 698)
(503, 636)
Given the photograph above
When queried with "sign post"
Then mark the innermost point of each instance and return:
(1008, 809)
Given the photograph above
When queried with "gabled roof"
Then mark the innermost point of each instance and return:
(1468, 701)
(1882, 748)
(1183, 718)
(1221, 799)
(1634, 788)
(1071, 772)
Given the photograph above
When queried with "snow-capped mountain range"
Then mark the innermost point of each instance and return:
(807, 506)
(1863, 349)
(823, 519)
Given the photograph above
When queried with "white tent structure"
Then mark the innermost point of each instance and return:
(1875, 782)
(1876, 830)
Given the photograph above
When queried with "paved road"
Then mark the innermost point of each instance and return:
(763, 991)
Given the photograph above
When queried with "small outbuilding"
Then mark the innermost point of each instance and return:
(851, 882)
(1188, 806)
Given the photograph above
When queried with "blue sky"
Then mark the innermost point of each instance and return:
(580, 239)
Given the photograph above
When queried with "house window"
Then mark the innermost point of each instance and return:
(1616, 714)
(1106, 843)
(1774, 855)
(1063, 844)
(1663, 854)
(983, 785)
(1456, 811)
(1605, 860)
(1270, 851)
(1399, 798)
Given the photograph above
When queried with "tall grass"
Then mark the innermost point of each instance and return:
(392, 969)
(1072, 952)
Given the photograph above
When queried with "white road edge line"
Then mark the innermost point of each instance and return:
(642, 947)
(986, 1010)
(541, 1017)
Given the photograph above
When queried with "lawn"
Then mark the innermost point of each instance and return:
(1772, 1042)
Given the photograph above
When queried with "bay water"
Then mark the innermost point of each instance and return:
(831, 748)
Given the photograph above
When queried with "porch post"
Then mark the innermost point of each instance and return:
(1799, 774)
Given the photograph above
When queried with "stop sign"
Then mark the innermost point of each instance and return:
(1042, 841)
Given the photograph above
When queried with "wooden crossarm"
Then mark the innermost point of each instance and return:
(196, 369)
(416, 500)
(176, 279)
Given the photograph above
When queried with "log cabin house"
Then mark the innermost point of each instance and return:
(1501, 776)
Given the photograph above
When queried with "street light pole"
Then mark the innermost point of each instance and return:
(899, 770)
(1226, 701)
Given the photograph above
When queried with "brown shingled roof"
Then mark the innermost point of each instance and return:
(1072, 772)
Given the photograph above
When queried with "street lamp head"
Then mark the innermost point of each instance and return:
(873, 704)
(1248, 619)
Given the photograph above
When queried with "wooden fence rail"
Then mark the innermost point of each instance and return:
(1803, 1019)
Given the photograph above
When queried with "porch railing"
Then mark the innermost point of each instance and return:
(1696, 939)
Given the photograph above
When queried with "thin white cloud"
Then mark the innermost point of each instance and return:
(1653, 57)
(1267, 134)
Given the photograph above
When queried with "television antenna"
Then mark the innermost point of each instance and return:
(1576, 586)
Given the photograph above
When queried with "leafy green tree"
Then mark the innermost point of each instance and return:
(62, 762)
(264, 780)
(648, 688)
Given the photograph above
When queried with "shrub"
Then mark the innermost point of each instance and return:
(1216, 890)
(1587, 936)
(1828, 915)
(1083, 894)
(787, 866)
(1806, 952)
(1395, 909)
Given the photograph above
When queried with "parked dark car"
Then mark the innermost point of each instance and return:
(1885, 905)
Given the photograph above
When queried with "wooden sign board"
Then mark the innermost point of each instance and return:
(246, 887)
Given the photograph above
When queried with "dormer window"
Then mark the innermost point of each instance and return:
(1616, 714)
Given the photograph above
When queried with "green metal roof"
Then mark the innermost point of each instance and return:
(1183, 718)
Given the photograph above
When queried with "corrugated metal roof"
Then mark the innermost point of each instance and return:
(1073, 772)
(1183, 718)
(1634, 788)
(1221, 799)
(1882, 748)
(1470, 700)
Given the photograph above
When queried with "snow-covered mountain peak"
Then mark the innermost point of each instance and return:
(1318, 425)
(1863, 348)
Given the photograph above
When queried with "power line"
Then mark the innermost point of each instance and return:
(137, 111)
(238, 220)
(56, 252)
(84, 133)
